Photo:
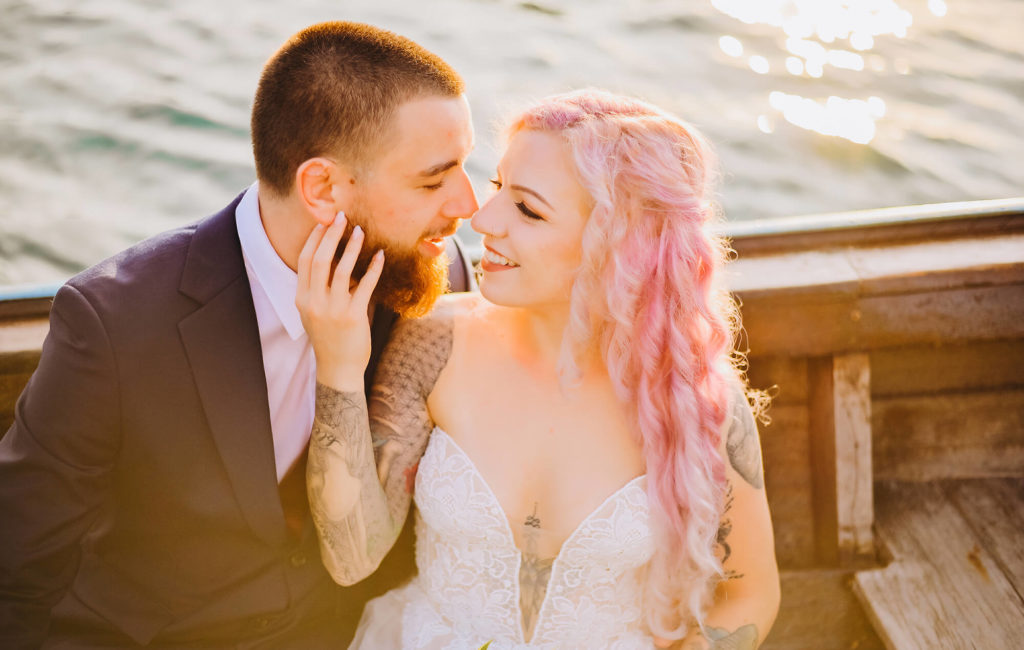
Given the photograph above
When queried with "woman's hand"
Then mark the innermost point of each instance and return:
(334, 312)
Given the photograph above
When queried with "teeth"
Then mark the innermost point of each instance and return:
(494, 258)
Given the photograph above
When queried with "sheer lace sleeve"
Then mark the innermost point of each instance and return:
(363, 454)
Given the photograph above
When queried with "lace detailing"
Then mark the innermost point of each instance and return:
(467, 591)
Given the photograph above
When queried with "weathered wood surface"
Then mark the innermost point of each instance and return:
(20, 337)
(820, 612)
(787, 478)
(20, 343)
(943, 588)
(860, 298)
(970, 367)
(840, 440)
(949, 435)
(777, 326)
(787, 457)
(994, 508)
(910, 267)
(885, 226)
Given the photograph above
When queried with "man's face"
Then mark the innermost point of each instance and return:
(412, 196)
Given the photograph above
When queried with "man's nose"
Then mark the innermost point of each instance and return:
(463, 204)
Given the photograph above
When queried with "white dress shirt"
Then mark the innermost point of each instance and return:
(288, 359)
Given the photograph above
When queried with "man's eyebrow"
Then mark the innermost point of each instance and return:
(438, 169)
(529, 191)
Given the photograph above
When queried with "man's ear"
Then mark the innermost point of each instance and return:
(325, 188)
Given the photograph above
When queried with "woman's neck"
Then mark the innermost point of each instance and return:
(542, 331)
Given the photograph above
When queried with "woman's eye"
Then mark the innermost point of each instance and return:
(435, 186)
(527, 211)
(496, 183)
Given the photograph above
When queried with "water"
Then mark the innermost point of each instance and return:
(121, 118)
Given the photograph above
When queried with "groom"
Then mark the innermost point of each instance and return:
(152, 484)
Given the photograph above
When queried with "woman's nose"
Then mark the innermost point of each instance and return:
(487, 221)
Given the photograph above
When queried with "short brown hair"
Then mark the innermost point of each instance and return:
(332, 89)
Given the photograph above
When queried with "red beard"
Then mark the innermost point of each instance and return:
(409, 284)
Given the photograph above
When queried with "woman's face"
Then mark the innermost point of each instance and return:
(533, 224)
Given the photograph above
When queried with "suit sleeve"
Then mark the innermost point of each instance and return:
(55, 465)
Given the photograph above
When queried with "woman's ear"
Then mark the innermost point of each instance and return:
(325, 188)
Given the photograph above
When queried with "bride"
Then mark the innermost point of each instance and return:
(585, 465)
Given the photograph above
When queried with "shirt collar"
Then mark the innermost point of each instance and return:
(277, 280)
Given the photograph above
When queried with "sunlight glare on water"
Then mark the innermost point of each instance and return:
(815, 33)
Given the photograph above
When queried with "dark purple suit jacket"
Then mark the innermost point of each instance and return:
(138, 497)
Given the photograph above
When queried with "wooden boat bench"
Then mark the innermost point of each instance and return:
(895, 351)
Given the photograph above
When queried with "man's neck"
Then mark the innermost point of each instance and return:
(287, 227)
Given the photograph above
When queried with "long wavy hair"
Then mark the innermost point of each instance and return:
(645, 298)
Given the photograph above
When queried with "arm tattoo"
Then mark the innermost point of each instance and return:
(363, 455)
(348, 516)
(722, 539)
(534, 574)
(401, 424)
(744, 638)
(742, 443)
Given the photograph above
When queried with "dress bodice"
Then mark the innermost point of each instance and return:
(467, 590)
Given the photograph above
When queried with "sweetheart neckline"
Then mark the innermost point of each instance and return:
(504, 513)
(511, 540)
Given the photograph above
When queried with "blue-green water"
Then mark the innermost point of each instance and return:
(121, 118)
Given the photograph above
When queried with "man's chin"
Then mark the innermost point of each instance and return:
(411, 284)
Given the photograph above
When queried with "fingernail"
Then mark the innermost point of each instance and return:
(380, 255)
(357, 231)
(340, 215)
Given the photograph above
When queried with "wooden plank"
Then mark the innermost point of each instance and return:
(995, 510)
(821, 423)
(943, 589)
(871, 270)
(787, 477)
(793, 273)
(11, 386)
(840, 442)
(854, 479)
(935, 265)
(819, 612)
(957, 435)
(972, 366)
(22, 336)
(821, 324)
(871, 227)
(784, 377)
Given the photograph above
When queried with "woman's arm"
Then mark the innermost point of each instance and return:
(362, 456)
(747, 599)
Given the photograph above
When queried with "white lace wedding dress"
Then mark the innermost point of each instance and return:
(467, 589)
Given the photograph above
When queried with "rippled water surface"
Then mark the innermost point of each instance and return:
(121, 118)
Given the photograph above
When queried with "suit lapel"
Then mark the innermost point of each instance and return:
(221, 339)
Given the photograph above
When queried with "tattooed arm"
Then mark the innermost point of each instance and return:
(363, 457)
(747, 599)
(358, 501)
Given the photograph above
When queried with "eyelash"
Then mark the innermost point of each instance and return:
(520, 205)
(435, 186)
(530, 214)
